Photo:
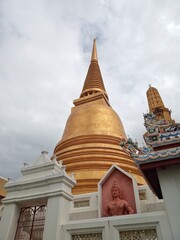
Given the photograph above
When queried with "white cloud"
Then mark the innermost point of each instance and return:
(45, 49)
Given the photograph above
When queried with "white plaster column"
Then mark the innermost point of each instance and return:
(57, 213)
(169, 179)
(8, 223)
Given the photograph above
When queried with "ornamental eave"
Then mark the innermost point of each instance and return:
(157, 156)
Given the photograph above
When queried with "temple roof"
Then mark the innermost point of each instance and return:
(93, 82)
(150, 162)
(157, 155)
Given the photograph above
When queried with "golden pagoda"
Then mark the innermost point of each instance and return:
(90, 144)
(156, 104)
(3, 193)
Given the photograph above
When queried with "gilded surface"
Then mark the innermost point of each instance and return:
(94, 51)
(156, 104)
(91, 140)
(93, 82)
(154, 99)
(88, 119)
(2, 189)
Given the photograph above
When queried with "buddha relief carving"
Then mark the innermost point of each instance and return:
(118, 205)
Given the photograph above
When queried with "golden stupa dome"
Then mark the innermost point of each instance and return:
(90, 144)
(93, 118)
(3, 193)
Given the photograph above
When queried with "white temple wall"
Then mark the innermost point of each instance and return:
(170, 185)
(71, 217)
(8, 222)
(155, 224)
(52, 187)
(85, 206)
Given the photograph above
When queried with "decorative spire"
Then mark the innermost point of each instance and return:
(94, 52)
(93, 82)
(154, 99)
(156, 104)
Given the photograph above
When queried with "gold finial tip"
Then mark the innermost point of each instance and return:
(94, 51)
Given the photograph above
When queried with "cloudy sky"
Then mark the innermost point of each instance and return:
(45, 49)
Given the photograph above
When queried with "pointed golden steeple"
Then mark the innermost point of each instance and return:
(156, 104)
(93, 82)
(94, 52)
(154, 99)
(90, 144)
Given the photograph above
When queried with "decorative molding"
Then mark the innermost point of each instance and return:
(162, 154)
(43, 195)
(88, 236)
(80, 204)
(143, 234)
(142, 195)
(160, 131)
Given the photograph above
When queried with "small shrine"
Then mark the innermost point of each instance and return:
(118, 193)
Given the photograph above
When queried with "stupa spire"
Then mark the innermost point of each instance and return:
(94, 56)
(156, 104)
(93, 82)
(154, 99)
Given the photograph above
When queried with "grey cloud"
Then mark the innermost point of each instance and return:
(45, 50)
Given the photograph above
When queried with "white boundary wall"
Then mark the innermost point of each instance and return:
(111, 226)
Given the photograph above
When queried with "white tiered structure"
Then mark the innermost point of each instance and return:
(67, 217)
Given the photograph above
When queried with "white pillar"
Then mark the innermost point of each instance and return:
(57, 213)
(8, 223)
(169, 179)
